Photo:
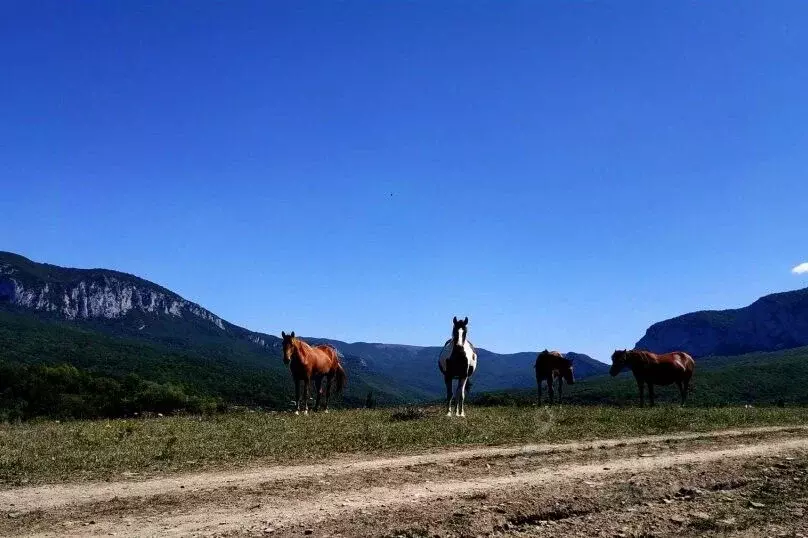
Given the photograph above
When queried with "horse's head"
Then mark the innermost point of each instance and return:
(619, 361)
(288, 346)
(459, 331)
(567, 371)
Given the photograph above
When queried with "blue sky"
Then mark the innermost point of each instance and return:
(564, 173)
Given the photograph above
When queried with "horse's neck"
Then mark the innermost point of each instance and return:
(301, 350)
(638, 361)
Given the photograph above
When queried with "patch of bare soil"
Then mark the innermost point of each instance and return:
(744, 483)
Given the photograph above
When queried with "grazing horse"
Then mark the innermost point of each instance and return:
(307, 363)
(652, 369)
(552, 365)
(458, 360)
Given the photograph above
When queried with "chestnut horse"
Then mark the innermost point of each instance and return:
(653, 369)
(457, 360)
(307, 363)
(552, 365)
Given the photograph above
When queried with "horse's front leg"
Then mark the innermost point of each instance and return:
(651, 394)
(461, 396)
(641, 386)
(306, 383)
(297, 396)
(560, 389)
(448, 381)
(551, 389)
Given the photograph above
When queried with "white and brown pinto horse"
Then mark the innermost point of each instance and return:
(653, 369)
(457, 360)
(312, 362)
(550, 366)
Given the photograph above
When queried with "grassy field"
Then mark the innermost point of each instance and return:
(48, 451)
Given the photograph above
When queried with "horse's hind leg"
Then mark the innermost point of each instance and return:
(306, 383)
(651, 393)
(448, 395)
(328, 390)
(551, 390)
(640, 385)
(318, 385)
(560, 389)
(538, 389)
(683, 386)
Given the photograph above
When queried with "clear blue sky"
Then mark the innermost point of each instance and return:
(564, 173)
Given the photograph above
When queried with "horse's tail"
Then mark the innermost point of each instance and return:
(340, 377)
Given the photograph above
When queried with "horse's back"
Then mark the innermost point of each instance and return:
(672, 367)
(547, 362)
(331, 355)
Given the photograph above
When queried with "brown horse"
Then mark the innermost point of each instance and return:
(307, 363)
(553, 365)
(652, 369)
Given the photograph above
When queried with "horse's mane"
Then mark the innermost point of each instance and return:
(638, 356)
(301, 344)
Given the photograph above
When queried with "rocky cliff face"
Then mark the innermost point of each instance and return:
(123, 303)
(92, 294)
(107, 298)
(773, 322)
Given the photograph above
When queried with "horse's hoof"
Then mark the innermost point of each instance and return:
(449, 414)
(462, 415)
(297, 412)
(326, 411)
(306, 412)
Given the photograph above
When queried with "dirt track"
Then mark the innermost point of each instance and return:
(608, 487)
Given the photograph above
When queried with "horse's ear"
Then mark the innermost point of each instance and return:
(283, 334)
(293, 334)
(454, 319)
(466, 321)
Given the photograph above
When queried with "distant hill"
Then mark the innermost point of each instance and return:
(417, 366)
(774, 322)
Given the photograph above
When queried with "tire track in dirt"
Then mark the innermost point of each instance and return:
(188, 519)
(28, 499)
(327, 507)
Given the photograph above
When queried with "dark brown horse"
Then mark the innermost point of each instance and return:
(552, 365)
(307, 363)
(652, 369)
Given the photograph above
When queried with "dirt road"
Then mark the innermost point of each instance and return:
(740, 482)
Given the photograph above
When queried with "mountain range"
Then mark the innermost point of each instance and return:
(142, 337)
(774, 322)
(182, 339)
